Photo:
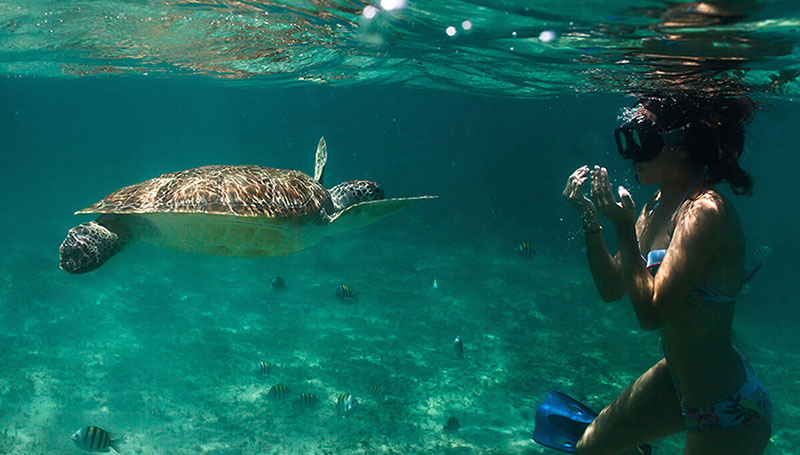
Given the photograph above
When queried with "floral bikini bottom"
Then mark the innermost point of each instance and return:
(750, 404)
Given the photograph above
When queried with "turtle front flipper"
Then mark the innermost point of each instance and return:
(320, 160)
(364, 213)
(87, 247)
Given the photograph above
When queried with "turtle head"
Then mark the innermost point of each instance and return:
(87, 247)
(352, 192)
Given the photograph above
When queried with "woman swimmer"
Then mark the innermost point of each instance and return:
(681, 262)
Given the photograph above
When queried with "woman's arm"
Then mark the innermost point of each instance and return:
(606, 270)
(638, 282)
(657, 299)
(697, 235)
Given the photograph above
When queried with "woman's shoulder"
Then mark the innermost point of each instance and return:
(710, 206)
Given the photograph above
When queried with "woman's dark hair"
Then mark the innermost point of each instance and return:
(715, 134)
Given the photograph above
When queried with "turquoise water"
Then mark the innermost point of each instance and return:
(159, 346)
(523, 49)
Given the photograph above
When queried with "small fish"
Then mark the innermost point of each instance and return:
(278, 392)
(525, 250)
(760, 255)
(761, 252)
(263, 369)
(308, 399)
(95, 439)
(746, 288)
(376, 391)
(435, 284)
(345, 293)
(458, 347)
(346, 404)
(451, 425)
(278, 284)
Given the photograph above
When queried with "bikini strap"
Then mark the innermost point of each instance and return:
(691, 189)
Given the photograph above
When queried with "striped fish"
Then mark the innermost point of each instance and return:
(308, 399)
(525, 250)
(263, 369)
(278, 392)
(376, 391)
(458, 347)
(346, 404)
(761, 252)
(760, 255)
(346, 294)
(95, 439)
(278, 283)
(451, 425)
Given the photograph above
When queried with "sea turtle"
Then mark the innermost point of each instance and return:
(246, 211)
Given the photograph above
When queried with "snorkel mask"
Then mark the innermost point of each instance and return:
(640, 139)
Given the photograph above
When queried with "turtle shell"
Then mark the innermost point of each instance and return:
(248, 211)
(247, 191)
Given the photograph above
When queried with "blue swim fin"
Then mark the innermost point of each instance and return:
(561, 421)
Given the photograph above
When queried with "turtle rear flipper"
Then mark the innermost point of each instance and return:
(87, 247)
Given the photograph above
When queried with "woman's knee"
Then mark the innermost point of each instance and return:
(646, 410)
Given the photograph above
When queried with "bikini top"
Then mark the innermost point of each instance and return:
(702, 291)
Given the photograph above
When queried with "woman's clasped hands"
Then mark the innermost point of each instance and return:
(602, 199)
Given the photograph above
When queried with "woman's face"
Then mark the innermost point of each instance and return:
(658, 169)
(662, 166)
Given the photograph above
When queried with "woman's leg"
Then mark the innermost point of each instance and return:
(738, 440)
(647, 410)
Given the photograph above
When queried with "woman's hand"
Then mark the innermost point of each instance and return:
(620, 214)
(573, 193)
